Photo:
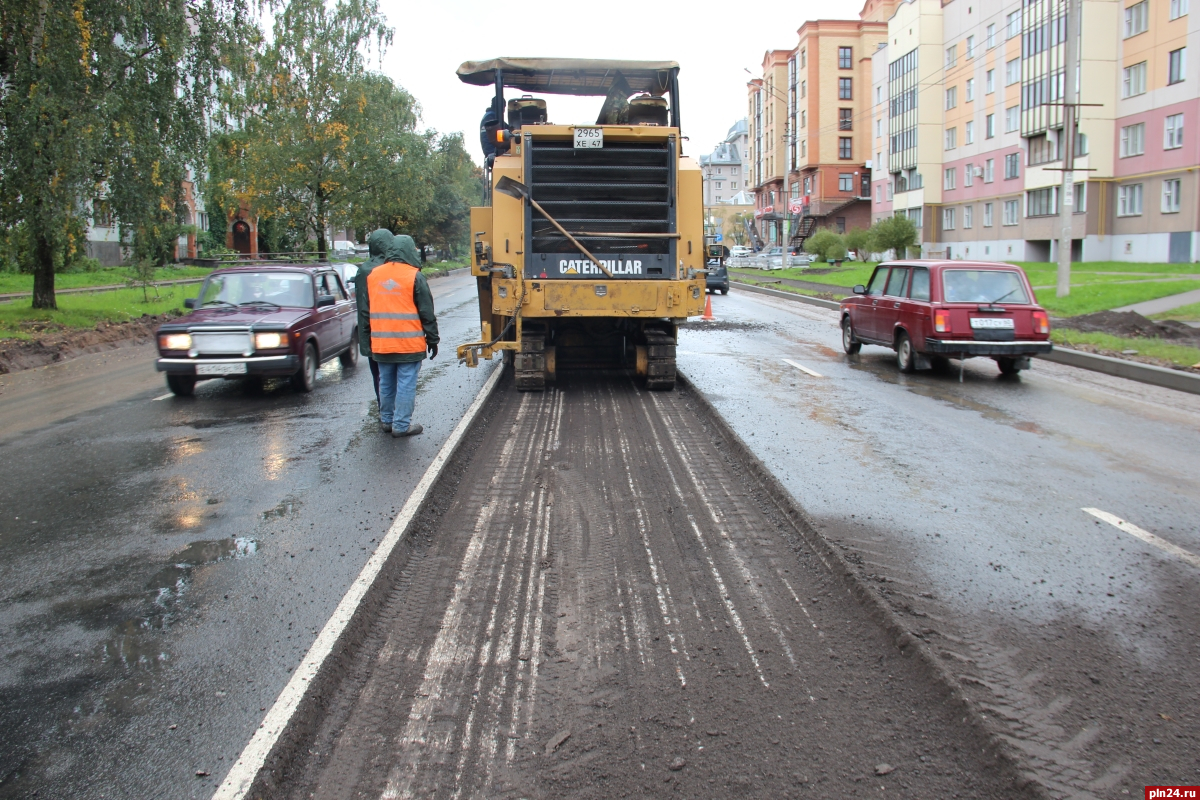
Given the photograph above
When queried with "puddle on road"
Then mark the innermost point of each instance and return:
(287, 506)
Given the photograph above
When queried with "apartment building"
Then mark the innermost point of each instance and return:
(724, 170)
(813, 145)
(967, 128)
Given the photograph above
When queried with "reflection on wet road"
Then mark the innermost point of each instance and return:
(963, 503)
(165, 564)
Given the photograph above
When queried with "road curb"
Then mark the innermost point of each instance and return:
(1117, 367)
(275, 739)
(905, 640)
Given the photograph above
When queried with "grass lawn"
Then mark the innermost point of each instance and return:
(1178, 354)
(846, 276)
(783, 287)
(11, 282)
(19, 319)
(1183, 313)
(1101, 296)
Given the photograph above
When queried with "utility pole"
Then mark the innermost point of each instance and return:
(1067, 199)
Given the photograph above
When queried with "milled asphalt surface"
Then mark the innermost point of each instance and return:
(164, 563)
(962, 504)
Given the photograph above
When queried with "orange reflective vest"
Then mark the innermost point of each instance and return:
(395, 323)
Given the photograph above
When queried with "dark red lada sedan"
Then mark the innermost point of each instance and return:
(947, 309)
(254, 322)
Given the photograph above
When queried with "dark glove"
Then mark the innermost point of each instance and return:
(432, 352)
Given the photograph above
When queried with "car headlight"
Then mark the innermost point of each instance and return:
(175, 341)
(267, 341)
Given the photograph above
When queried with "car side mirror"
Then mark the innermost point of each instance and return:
(325, 300)
(190, 302)
(860, 289)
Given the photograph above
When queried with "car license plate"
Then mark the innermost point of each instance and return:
(991, 323)
(220, 369)
(589, 138)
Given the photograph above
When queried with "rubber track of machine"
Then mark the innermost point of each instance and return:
(531, 362)
(660, 367)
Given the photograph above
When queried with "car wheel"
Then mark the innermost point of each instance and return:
(306, 378)
(181, 385)
(905, 360)
(725, 290)
(349, 358)
(849, 343)
(1008, 366)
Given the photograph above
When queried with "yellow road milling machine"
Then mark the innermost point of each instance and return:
(589, 250)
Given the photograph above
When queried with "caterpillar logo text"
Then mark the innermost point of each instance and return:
(583, 267)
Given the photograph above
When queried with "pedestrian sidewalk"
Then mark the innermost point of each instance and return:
(1163, 303)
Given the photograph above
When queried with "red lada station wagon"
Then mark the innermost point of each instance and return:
(928, 310)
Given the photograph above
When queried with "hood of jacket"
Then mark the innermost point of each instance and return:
(377, 247)
(403, 249)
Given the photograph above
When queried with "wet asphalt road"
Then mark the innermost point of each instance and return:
(962, 504)
(165, 563)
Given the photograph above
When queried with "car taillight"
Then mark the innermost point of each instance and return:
(941, 321)
(1041, 322)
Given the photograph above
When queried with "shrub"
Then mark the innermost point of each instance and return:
(826, 245)
(859, 240)
(894, 233)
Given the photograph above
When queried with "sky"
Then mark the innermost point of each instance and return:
(714, 44)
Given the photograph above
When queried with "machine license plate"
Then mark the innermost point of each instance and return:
(220, 369)
(589, 138)
(991, 323)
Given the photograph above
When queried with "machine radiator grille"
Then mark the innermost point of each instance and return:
(620, 188)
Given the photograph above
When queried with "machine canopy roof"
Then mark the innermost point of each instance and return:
(581, 76)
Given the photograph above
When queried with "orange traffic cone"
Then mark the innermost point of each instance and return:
(708, 315)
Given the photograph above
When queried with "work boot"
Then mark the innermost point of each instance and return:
(413, 430)
(386, 427)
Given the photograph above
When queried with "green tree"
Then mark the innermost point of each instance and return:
(313, 130)
(859, 240)
(894, 233)
(738, 221)
(458, 184)
(826, 245)
(103, 98)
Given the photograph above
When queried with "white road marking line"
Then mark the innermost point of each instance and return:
(803, 368)
(163, 397)
(1145, 536)
(240, 777)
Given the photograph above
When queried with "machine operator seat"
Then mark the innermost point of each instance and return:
(526, 110)
(648, 110)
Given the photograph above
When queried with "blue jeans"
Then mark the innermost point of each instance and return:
(397, 393)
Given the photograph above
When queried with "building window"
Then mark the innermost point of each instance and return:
(878, 95)
(915, 215)
(804, 148)
(1172, 190)
(733, 184)
(878, 128)
(1041, 202)
(969, 175)
(1012, 212)
(1013, 25)
(1012, 72)
(878, 193)
(1129, 200)
(1012, 119)
(1012, 166)
(989, 170)
(968, 213)
(803, 58)
(969, 132)
(1134, 82)
(989, 126)
(970, 47)
(951, 98)
(1178, 8)
(989, 82)
(718, 184)
(1173, 132)
(845, 148)
(845, 88)
(1137, 18)
(845, 58)
(1133, 140)
(951, 56)
(947, 219)
(1176, 65)
(1079, 190)
(950, 178)
(803, 119)
(808, 186)
(991, 36)
(845, 119)
(970, 89)
(987, 215)
(102, 216)
(1042, 150)
(804, 88)
(951, 138)
(845, 182)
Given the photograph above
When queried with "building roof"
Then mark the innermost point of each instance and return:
(725, 153)
(737, 130)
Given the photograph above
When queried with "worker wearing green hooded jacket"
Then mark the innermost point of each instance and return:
(377, 244)
(401, 329)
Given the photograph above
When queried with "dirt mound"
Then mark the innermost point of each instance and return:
(1131, 324)
(50, 345)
